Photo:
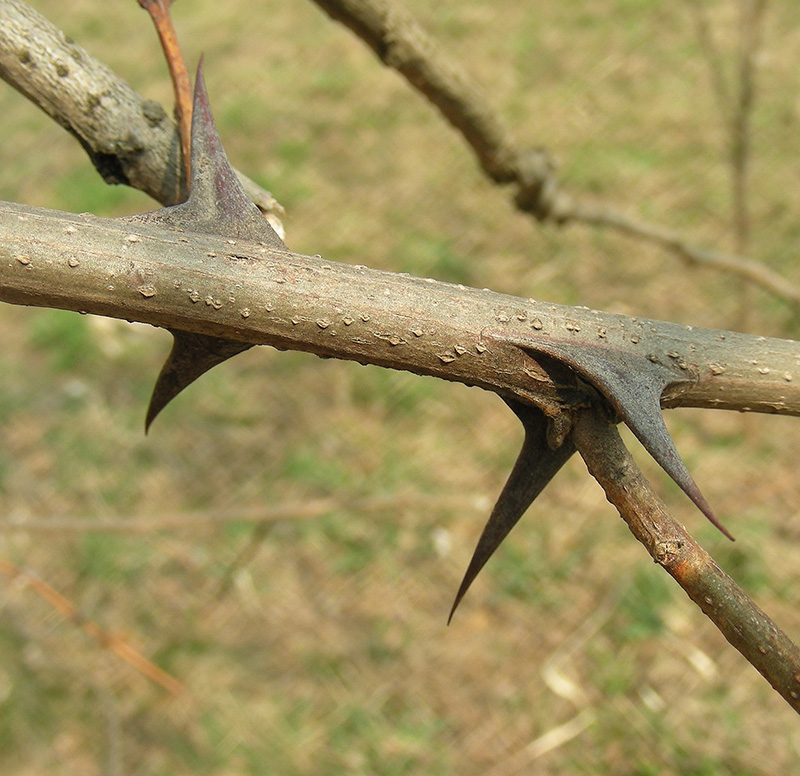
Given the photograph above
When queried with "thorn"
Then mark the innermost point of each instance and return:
(191, 356)
(217, 204)
(633, 386)
(536, 465)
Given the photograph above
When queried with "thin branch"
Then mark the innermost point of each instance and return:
(753, 271)
(750, 28)
(402, 44)
(739, 619)
(181, 83)
(751, 15)
(129, 139)
(710, 52)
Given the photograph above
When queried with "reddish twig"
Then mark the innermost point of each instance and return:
(738, 618)
(181, 83)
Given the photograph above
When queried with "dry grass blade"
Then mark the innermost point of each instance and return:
(110, 641)
(545, 743)
(738, 618)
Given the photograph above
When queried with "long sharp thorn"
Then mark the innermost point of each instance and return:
(191, 356)
(646, 420)
(536, 465)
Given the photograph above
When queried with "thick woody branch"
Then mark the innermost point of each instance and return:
(247, 291)
(402, 44)
(739, 619)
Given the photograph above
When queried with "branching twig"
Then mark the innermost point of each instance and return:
(739, 619)
(129, 139)
(750, 26)
(753, 271)
(402, 44)
(708, 48)
(736, 109)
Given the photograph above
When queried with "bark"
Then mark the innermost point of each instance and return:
(251, 292)
(738, 618)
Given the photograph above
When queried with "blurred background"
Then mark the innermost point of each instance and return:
(286, 543)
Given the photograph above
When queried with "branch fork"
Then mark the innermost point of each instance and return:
(214, 273)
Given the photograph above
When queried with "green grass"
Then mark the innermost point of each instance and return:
(83, 191)
(427, 255)
(66, 339)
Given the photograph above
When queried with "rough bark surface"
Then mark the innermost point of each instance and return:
(738, 618)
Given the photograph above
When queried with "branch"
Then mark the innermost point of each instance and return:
(401, 43)
(158, 11)
(250, 292)
(753, 271)
(129, 139)
(198, 269)
(739, 619)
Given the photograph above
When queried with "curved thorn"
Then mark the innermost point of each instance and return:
(191, 356)
(645, 419)
(536, 465)
(217, 204)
